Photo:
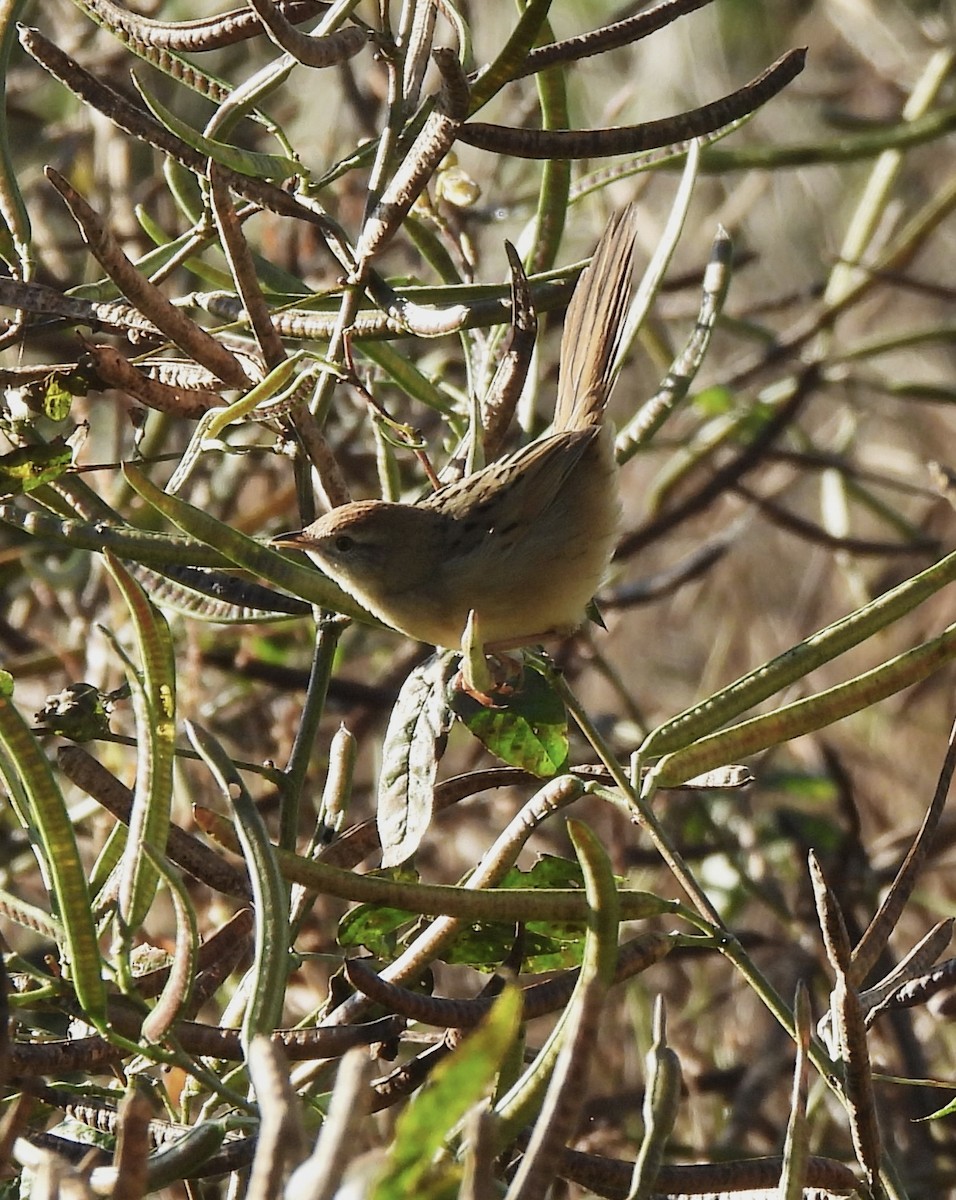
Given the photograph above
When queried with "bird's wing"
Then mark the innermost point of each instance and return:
(532, 476)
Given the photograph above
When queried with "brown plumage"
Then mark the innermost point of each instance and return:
(524, 542)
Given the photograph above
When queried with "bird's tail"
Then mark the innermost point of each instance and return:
(594, 326)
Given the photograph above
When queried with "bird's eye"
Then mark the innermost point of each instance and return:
(344, 543)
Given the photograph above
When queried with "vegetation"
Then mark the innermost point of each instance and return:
(287, 910)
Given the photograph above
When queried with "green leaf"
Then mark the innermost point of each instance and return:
(804, 786)
(715, 401)
(946, 1111)
(558, 1064)
(414, 743)
(245, 162)
(810, 829)
(549, 945)
(39, 803)
(529, 730)
(59, 388)
(549, 871)
(485, 947)
(270, 968)
(376, 926)
(28, 467)
(456, 1084)
(153, 686)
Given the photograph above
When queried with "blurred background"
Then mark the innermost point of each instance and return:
(833, 511)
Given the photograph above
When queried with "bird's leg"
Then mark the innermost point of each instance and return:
(488, 679)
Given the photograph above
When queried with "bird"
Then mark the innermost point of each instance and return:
(525, 542)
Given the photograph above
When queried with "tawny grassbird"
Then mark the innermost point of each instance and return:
(524, 542)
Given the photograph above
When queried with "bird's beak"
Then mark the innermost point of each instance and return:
(297, 539)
